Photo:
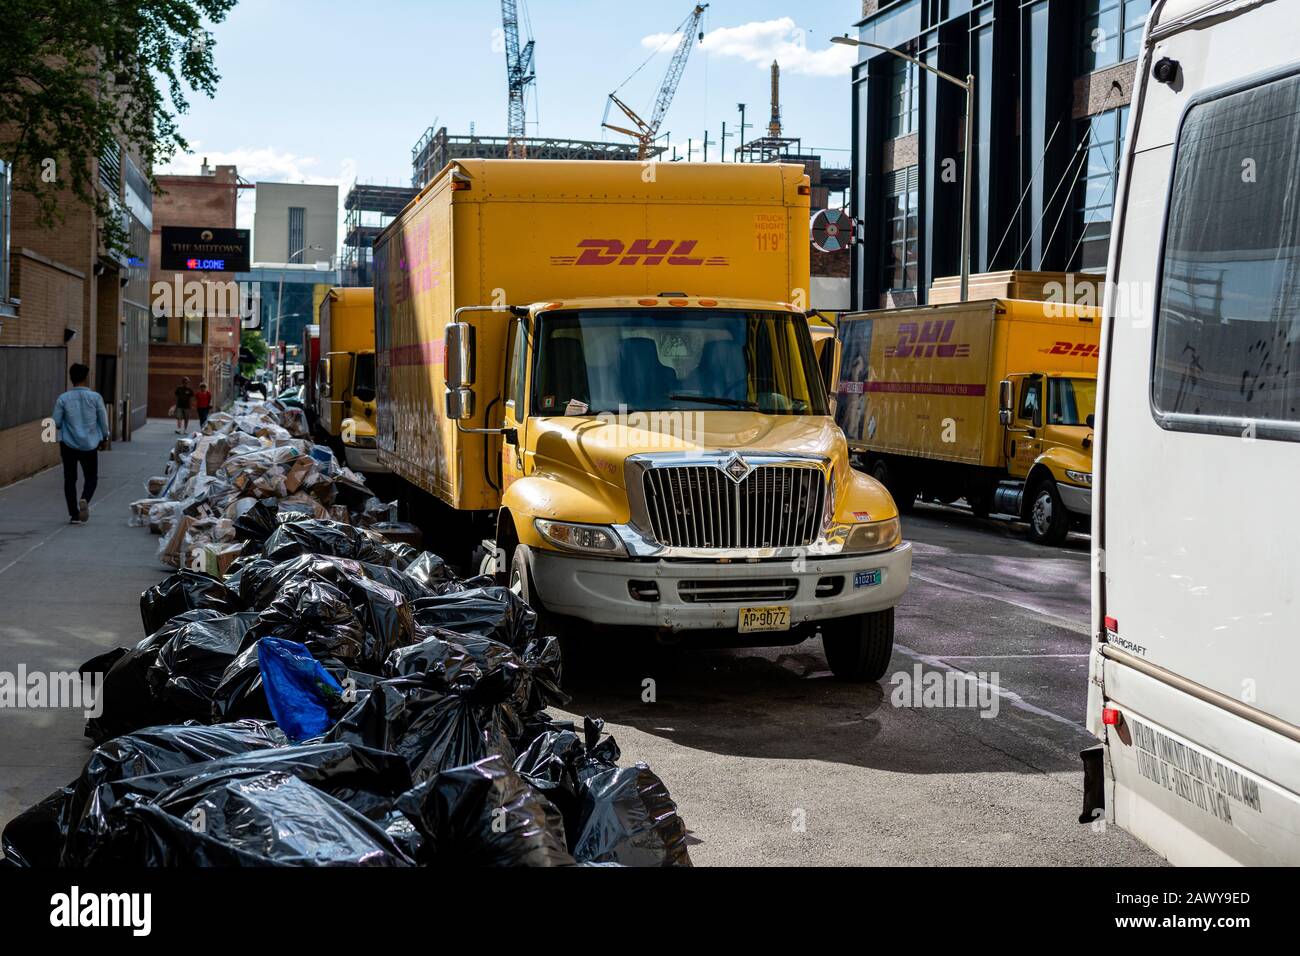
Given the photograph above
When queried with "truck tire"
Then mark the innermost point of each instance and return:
(1049, 522)
(904, 494)
(858, 648)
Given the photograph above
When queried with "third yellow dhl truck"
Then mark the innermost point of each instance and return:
(605, 370)
(344, 379)
(991, 401)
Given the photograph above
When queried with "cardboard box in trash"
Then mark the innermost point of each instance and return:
(217, 558)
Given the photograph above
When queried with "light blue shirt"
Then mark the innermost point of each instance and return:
(81, 418)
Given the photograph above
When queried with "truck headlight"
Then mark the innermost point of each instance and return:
(588, 538)
(1079, 477)
(875, 536)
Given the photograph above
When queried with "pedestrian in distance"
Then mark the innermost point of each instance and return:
(82, 423)
(184, 395)
(203, 403)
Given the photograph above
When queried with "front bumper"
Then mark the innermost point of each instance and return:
(365, 460)
(1077, 500)
(600, 590)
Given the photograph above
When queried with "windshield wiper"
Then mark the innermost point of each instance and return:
(716, 400)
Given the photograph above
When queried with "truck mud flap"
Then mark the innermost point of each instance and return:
(1094, 783)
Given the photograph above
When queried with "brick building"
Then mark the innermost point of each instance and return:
(1053, 80)
(64, 300)
(195, 326)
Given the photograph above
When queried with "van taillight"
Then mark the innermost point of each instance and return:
(1110, 716)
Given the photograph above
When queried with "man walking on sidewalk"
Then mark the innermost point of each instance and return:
(82, 421)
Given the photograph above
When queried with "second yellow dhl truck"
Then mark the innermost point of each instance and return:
(605, 369)
(344, 378)
(991, 401)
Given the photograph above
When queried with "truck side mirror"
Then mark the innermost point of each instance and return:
(458, 363)
(1004, 402)
(460, 404)
(458, 342)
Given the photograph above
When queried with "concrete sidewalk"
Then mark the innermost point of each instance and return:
(67, 593)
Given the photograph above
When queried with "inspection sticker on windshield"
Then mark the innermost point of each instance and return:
(774, 617)
(866, 579)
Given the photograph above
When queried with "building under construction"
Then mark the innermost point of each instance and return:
(368, 209)
(436, 148)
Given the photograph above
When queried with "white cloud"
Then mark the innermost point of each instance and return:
(762, 41)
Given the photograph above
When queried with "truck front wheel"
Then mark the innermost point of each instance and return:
(858, 648)
(1049, 522)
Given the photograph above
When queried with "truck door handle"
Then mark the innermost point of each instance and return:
(510, 436)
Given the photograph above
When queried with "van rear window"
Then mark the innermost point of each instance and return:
(1227, 355)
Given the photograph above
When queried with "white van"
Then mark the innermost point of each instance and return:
(1195, 673)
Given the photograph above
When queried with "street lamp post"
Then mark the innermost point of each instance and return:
(279, 295)
(969, 86)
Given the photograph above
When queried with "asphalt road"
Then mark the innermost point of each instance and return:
(773, 762)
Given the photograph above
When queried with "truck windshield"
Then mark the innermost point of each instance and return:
(656, 359)
(1072, 401)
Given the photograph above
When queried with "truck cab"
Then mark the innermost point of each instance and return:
(669, 462)
(1048, 432)
(345, 390)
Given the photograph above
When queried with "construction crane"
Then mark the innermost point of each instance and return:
(519, 73)
(646, 132)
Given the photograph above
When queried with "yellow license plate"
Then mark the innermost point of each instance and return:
(775, 617)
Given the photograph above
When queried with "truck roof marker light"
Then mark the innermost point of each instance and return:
(459, 185)
(805, 189)
(708, 303)
(551, 306)
(647, 301)
(1110, 716)
(680, 303)
(1112, 624)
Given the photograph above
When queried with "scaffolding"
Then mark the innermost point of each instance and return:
(435, 149)
(368, 209)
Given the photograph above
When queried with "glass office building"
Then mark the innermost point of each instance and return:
(1053, 80)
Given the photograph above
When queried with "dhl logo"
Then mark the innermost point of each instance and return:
(650, 252)
(1083, 349)
(927, 340)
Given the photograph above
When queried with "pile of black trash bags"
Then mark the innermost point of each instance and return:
(339, 700)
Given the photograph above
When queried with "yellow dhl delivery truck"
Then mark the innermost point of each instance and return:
(604, 369)
(345, 377)
(991, 401)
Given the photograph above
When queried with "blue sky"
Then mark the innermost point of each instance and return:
(330, 91)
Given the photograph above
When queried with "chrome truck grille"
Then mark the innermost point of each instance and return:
(701, 506)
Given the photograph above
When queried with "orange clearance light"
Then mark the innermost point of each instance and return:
(1110, 716)
(647, 301)
(550, 306)
(708, 303)
(459, 185)
(805, 190)
(678, 302)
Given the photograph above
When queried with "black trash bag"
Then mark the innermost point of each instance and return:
(432, 571)
(430, 729)
(315, 613)
(37, 836)
(185, 591)
(321, 536)
(256, 524)
(240, 695)
(367, 781)
(386, 617)
(190, 663)
(409, 585)
(485, 814)
(550, 764)
(493, 612)
(440, 662)
(126, 698)
(628, 818)
(273, 819)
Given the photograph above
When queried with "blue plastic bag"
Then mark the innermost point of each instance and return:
(298, 689)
